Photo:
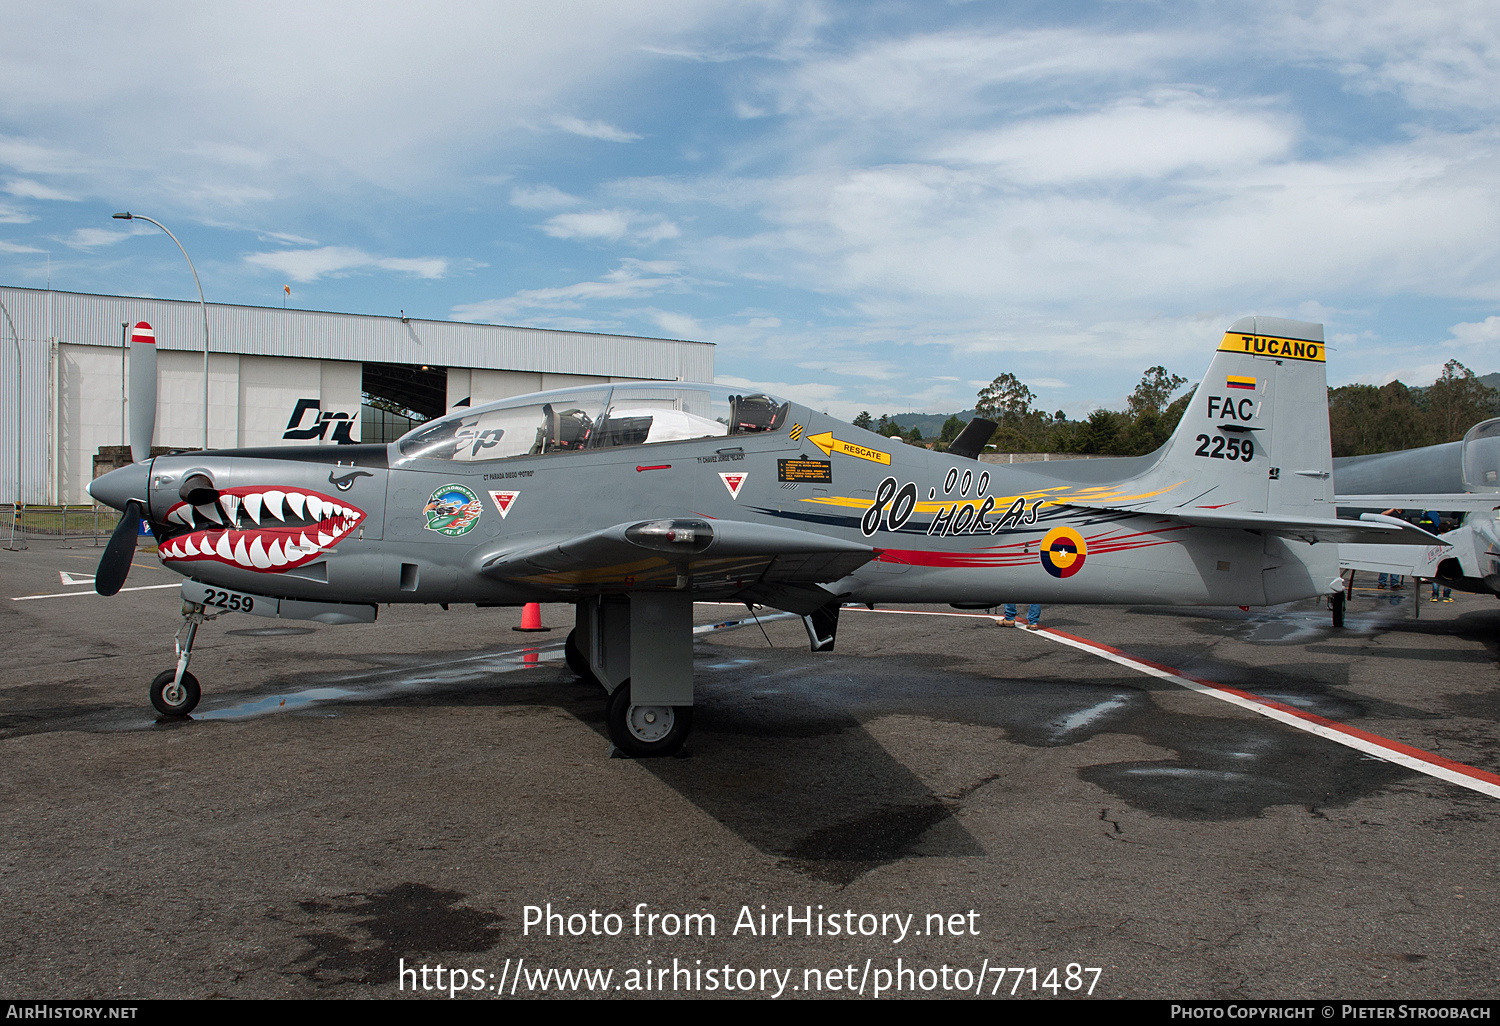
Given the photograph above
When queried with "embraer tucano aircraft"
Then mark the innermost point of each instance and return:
(633, 500)
(1463, 477)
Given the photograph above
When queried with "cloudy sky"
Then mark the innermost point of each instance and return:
(866, 205)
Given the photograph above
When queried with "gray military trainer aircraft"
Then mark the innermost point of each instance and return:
(631, 501)
(1454, 477)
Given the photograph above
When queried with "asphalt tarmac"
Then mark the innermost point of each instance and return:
(351, 801)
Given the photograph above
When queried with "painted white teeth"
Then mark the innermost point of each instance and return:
(252, 507)
(189, 547)
(294, 501)
(231, 506)
(222, 550)
(209, 512)
(240, 556)
(181, 515)
(315, 508)
(274, 554)
(274, 500)
(258, 557)
(305, 545)
(324, 539)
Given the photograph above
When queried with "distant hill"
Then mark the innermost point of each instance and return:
(931, 424)
(1490, 380)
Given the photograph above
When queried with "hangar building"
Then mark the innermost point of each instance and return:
(276, 377)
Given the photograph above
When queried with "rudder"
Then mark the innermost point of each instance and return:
(1255, 437)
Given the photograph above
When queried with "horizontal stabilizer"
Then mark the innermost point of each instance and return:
(1369, 528)
(1402, 560)
(1446, 502)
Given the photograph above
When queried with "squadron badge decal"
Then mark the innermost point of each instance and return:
(453, 510)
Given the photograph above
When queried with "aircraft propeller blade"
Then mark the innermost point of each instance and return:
(114, 565)
(142, 391)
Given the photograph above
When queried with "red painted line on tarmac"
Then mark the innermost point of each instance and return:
(1402, 754)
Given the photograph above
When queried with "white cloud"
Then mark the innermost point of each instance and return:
(29, 189)
(93, 238)
(1444, 56)
(10, 215)
(594, 130)
(677, 325)
(633, 279)
(305, 265)
(541, 197)
(288, 238)
(1130, 139)
(13, 247)
(610, 226)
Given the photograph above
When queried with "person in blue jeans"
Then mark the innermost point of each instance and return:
(1033, 616)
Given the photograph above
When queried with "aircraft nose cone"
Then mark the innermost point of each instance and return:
(121, 485)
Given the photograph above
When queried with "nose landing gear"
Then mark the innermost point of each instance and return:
(175, 693)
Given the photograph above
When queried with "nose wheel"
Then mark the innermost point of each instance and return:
(646, 730)
(174, 697)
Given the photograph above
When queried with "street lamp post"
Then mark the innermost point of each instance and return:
(127, 216)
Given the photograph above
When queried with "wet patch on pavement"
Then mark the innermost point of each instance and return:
(378, 929)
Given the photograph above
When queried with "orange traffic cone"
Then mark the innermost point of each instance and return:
(531, 618)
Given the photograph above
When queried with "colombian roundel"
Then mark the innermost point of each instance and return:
(1063, 550)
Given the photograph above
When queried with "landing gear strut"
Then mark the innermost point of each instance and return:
(176, 692)
(640, 648)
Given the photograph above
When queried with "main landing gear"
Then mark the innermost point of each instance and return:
(175, 693)
(640, 648)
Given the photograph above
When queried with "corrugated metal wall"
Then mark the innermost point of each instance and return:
(42, 317)
(33, 416)
(266, 331)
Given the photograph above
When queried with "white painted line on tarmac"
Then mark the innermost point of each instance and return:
(1431, 764)
(69, 594)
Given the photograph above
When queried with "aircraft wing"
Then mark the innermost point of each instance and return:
(1448, 502)
(1370, 528)
(708, 553)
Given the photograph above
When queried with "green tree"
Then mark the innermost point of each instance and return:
(1004, 399)
(863, 420)
(1151, 395)
(1457, 401)
(1364, 419)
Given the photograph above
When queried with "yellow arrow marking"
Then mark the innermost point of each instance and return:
(831, 445)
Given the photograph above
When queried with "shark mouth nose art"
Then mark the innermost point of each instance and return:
(259, 528)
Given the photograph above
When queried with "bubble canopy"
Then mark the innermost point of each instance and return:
(593, 417)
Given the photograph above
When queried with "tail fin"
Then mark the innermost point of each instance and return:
(1255, 436)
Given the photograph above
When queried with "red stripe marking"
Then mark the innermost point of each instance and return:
(1343, 728)
(1397, 747)
(659, 466)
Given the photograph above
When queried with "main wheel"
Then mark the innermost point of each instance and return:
(577, 662)
(646, 730)
(175, 699)
(1338, 600)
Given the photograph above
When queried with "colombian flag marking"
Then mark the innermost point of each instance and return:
(1234, 382)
